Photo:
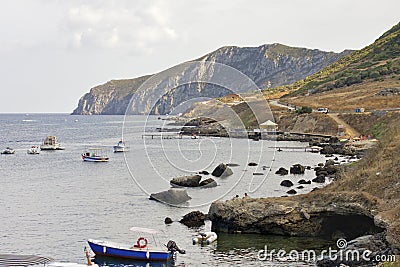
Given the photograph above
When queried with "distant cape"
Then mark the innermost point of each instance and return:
(268, 65)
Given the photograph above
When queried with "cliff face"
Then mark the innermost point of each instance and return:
(267, 65)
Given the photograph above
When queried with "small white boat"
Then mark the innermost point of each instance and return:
(120, 147)
(33, 150)
(205, 238)
(8, 151)
(94, 155)
(51, 143)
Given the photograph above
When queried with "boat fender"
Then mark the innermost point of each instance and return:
(141, 243)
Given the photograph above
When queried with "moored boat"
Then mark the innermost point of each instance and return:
(140, 251)
(8, 151)
(33, 150)
(51, 143)
(94, 155)
(120, 147)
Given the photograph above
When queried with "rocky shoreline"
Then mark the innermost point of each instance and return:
(362, 206)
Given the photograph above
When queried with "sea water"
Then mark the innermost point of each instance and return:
(51, 203)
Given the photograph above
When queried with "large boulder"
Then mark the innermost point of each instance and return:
(286, 183)
(282, 171)
(329, 162)
(332, 169)
(172, 196)
(210, 182)
(376, 244)
(186, 181)
(327, 150)
(319, 179)
(321, 171)
(193, 219)
(222, 171)
(297, 169)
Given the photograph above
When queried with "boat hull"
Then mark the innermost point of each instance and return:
(95, 159)
(102, 248)
(119, 149)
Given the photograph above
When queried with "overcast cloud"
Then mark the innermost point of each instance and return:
(54, 51)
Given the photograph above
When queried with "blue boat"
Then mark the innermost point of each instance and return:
(139, 251)
(105, 248)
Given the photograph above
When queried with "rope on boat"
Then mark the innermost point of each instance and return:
(22, 260)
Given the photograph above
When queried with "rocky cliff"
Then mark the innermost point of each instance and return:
(267, 65)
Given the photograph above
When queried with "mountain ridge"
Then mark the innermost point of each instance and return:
(267, 65)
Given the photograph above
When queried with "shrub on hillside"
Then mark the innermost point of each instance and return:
(304, 109)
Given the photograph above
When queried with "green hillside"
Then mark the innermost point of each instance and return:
(375, 62)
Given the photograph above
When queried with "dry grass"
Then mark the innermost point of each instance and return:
(351, 97)
(378, 173)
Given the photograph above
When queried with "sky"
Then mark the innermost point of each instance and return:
(53, 51)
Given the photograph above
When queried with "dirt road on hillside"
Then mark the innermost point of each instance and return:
(350, 131)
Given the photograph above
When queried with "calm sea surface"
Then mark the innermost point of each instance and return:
(51, 203)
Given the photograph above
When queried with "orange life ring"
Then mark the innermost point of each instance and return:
(141, 242)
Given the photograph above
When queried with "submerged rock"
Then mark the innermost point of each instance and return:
(232, 165)
(172, 196)
(222, 170)
(282, 171)
(186, 181)
(193, 219)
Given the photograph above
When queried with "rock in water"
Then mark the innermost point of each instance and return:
(204, 172)
(232, 165)
(329, 162)
(187, 181)
(297, 169)
(193, 219)
(282, 171)
(168, 220)
(252, 164)
(222, 171)
(327, 150)
(286, 183)
(291, 192)
(302, 181)
(210, 182)
(172, 196)
(319, 179)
